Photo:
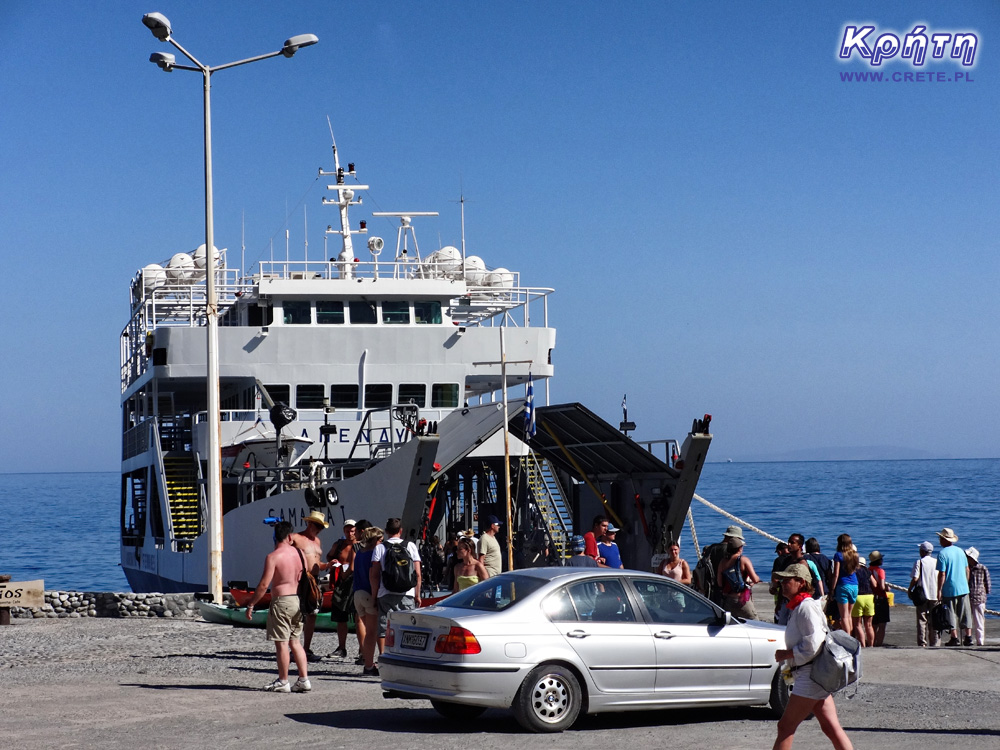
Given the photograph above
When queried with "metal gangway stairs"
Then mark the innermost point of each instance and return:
(183, 499)
(550, 501)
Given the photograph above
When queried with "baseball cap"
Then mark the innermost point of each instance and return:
(579, 544)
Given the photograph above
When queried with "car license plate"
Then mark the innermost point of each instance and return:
(417, 641)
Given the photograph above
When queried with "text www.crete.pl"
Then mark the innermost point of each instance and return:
(907, 77)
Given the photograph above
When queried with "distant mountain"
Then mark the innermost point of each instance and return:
(851, 453)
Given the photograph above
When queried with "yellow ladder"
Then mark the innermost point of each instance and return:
(550, 501)
(184, 499)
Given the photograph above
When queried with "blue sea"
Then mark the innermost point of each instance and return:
(63, 528)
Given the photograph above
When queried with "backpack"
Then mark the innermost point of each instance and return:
(398, 572)
(838, 663)
(732, 578)
(703, 576)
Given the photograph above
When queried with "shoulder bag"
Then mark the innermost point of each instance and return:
(310, 596)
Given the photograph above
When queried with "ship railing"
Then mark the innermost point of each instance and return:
(135, 440)
(488, 294)
(670, 448)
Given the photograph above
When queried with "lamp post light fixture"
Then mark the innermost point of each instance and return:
(159, 25)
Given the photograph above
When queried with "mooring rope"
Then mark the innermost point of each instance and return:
(763, 533)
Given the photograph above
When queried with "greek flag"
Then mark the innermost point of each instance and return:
(529, 410)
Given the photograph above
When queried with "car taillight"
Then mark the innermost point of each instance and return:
(458, 641)
(390, 637)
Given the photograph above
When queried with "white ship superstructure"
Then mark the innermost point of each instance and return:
(366, 385)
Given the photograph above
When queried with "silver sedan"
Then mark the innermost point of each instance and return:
(552, 643)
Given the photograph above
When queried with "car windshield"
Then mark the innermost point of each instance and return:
(495, 594)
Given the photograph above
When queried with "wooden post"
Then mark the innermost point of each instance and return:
(4, 611)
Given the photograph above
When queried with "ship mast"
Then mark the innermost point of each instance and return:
(344, 200)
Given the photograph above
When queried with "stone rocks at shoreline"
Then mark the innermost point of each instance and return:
(62, 604)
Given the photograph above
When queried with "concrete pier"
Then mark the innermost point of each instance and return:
(173, 682)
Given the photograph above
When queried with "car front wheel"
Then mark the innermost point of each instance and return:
(457, 711)
(549, 699)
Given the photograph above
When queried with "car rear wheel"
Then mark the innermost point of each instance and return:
(779, 694)
(457, 711)
(549, 699)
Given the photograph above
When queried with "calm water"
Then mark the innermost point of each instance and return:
(64, 527)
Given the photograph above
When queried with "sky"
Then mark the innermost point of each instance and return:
(730, 227)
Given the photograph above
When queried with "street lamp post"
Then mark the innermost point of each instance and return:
(158, 24)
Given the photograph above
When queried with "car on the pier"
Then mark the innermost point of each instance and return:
(554, 643)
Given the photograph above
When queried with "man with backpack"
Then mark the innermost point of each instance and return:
(703, 577)
(395, 576)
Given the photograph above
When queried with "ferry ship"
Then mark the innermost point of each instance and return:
(368, 385)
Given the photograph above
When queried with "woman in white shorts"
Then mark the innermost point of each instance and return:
(805, 634)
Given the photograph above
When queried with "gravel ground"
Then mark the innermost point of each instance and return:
(123, 683)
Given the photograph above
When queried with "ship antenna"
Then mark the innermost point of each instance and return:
(336, 158)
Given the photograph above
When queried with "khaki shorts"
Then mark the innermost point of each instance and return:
(365, 604)
(284, 619)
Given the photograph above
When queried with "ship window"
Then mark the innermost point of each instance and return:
(279, 393)
(415, 392)
(344, 396)
(309, 396)
(329, 312)
(260, 314)
(395, 312)
(444, 395)
(427, 312)
(362, 312)
(297, 312)
(378, 396)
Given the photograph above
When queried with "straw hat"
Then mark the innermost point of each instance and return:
(948, 535)
(317, 518)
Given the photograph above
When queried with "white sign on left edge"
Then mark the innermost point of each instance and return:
(22, 594)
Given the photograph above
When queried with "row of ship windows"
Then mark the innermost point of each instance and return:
(360, 312)
(376, 395)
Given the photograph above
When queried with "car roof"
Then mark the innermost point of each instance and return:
(552, 573)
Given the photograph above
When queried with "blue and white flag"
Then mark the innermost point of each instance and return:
(529, 410)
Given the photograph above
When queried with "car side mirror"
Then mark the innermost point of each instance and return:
(725, 617)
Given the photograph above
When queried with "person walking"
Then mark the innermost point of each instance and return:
(923, 594)
(393, 601)
(674, 566)
(805, 634)
(365, 606)
(580, 558)
(953, 587)
(282, 571)
(979, 588)
(470, 570)
(312, 548)
(597, 529)
(881, 591)
(607, 548)
(825, 567)
(489, 547)
(863, 610)
(735, 578)
(845, 592)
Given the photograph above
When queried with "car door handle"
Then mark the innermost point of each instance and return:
(664, 634)
(577, 634)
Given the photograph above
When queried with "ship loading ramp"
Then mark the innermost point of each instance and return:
(574, 467)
